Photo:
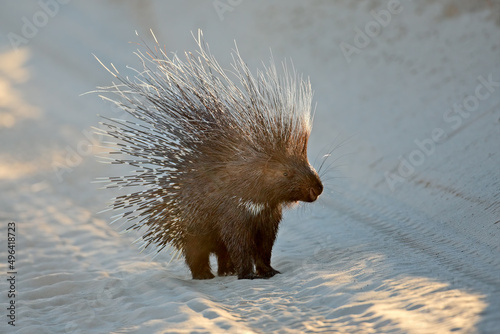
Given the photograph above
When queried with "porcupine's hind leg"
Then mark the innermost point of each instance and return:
(225, 266)
(197, 253)
(240, 246)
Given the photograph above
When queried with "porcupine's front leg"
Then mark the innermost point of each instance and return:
(264, 241)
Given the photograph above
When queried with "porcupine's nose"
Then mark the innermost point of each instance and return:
(315, 191)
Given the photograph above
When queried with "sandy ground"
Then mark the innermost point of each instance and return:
(405, 238)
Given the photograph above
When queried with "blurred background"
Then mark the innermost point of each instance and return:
(407, 94)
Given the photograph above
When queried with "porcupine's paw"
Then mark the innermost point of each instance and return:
(226, 272)
(225, 266)
(249, 276)
(203, 275)
(268, 273)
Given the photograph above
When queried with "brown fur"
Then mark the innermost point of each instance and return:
(239, 238)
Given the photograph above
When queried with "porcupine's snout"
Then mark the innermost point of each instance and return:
(315, 187)
(315, 190)
(312, 186)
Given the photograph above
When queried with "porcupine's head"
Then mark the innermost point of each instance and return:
(274, 116)
(200, 137)
(274, 167)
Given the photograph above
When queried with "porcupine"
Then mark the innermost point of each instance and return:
(219, 160)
